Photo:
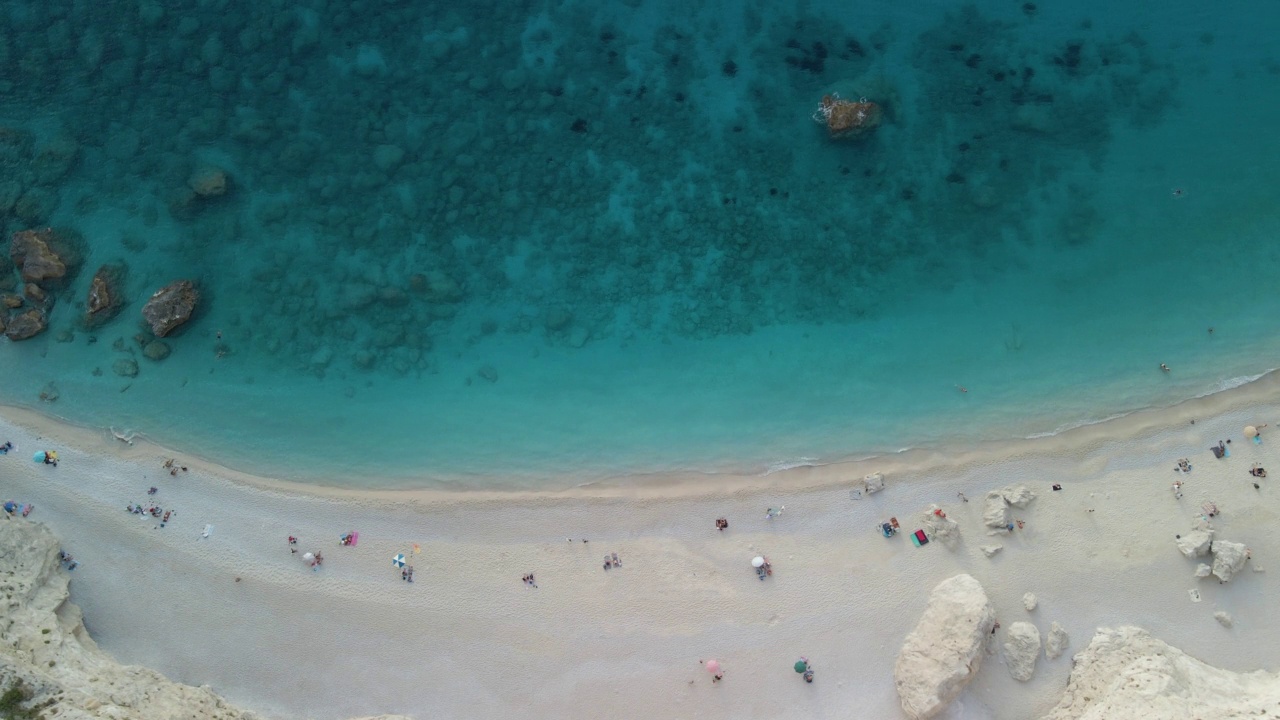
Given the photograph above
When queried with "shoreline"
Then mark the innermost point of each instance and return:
(842, 594)
(1262, 391)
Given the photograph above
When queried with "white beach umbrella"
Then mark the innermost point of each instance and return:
(309, 557)
(1250, 431)
(398, 560)
(757, 561)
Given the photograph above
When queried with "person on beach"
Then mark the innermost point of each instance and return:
(721, 524)
(1164, 367)
(6, 447)
(1258, 471)
(962, 497)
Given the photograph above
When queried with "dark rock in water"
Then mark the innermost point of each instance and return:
(49, 393)
(156, 350)
(558, 319)
(33, 293)
(30, 250)
(488, 373)
(26, 324)
(11, 301)
(170, 306)
(104, 299)
(125, 367)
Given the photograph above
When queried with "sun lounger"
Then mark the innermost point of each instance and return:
(918, 538)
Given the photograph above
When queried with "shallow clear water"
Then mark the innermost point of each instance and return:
(499, 243)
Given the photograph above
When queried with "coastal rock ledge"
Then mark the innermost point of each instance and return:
(1126, 674)
(944, 651)
(46, 651)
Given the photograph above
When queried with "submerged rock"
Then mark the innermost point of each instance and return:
(170, 306)
(125, 367)
(104, 299)
(156, 350)
(26, 324)
(944, 651)
(31, 251)
(208, 181)
(1021, 650)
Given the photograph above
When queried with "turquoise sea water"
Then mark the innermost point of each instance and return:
(538, 243)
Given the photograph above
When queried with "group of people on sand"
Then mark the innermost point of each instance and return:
(66, 559)
(406, 573)
(173, 467)
(151, 509)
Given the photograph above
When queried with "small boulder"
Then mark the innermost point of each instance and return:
(104, 299)
(11, 301)
(995, 513)
(1021, 650)
(388, 157)
(1224, 618)
(1018, 496)
(1228, 559)
(1195, 543)
(488, 373)
(991, 550)
(1029, 601)
(940, 527)
(125, 367)
(156, 350)
(26, 324)
(873, 483)
(558, 319)
(1056, 641)
(208, 181)
(170, 306)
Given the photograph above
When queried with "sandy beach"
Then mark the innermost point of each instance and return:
(468, 639)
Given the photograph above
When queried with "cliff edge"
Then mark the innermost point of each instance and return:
(48, 656)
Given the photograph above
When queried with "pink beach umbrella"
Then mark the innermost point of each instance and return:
(713, 667)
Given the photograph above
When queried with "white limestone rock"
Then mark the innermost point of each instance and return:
(995, 513)
(941, 528)
(873, 483)
(1018, 496)
(1056, 641)
(944, 651)
(1196, 543)
(990, 550)
(1224, 618)
(1228, 559)
(1125, 674)
(1029, 601)
(1021, 650)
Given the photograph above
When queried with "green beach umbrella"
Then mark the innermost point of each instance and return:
(801, 666)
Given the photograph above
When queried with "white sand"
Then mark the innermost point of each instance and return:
(469, 640)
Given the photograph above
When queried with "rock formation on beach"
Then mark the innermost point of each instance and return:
(1228, 559)
(47, 656)
(170, 306)
(1056, 641)
(1021, 650)
(1126, 674)
(944, 651)
(1197, 542)
(995, 512)
(939, 527)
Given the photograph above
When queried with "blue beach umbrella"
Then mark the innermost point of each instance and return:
(398, 560)
(38, 457)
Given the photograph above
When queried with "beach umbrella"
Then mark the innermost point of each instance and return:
(757, 561)
(10, 506)
(38, 457)
(398, 560)
(309, 557)
(1250, 431)
(801, 666)
(713, 667)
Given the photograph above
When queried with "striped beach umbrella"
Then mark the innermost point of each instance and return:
(398, 560)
